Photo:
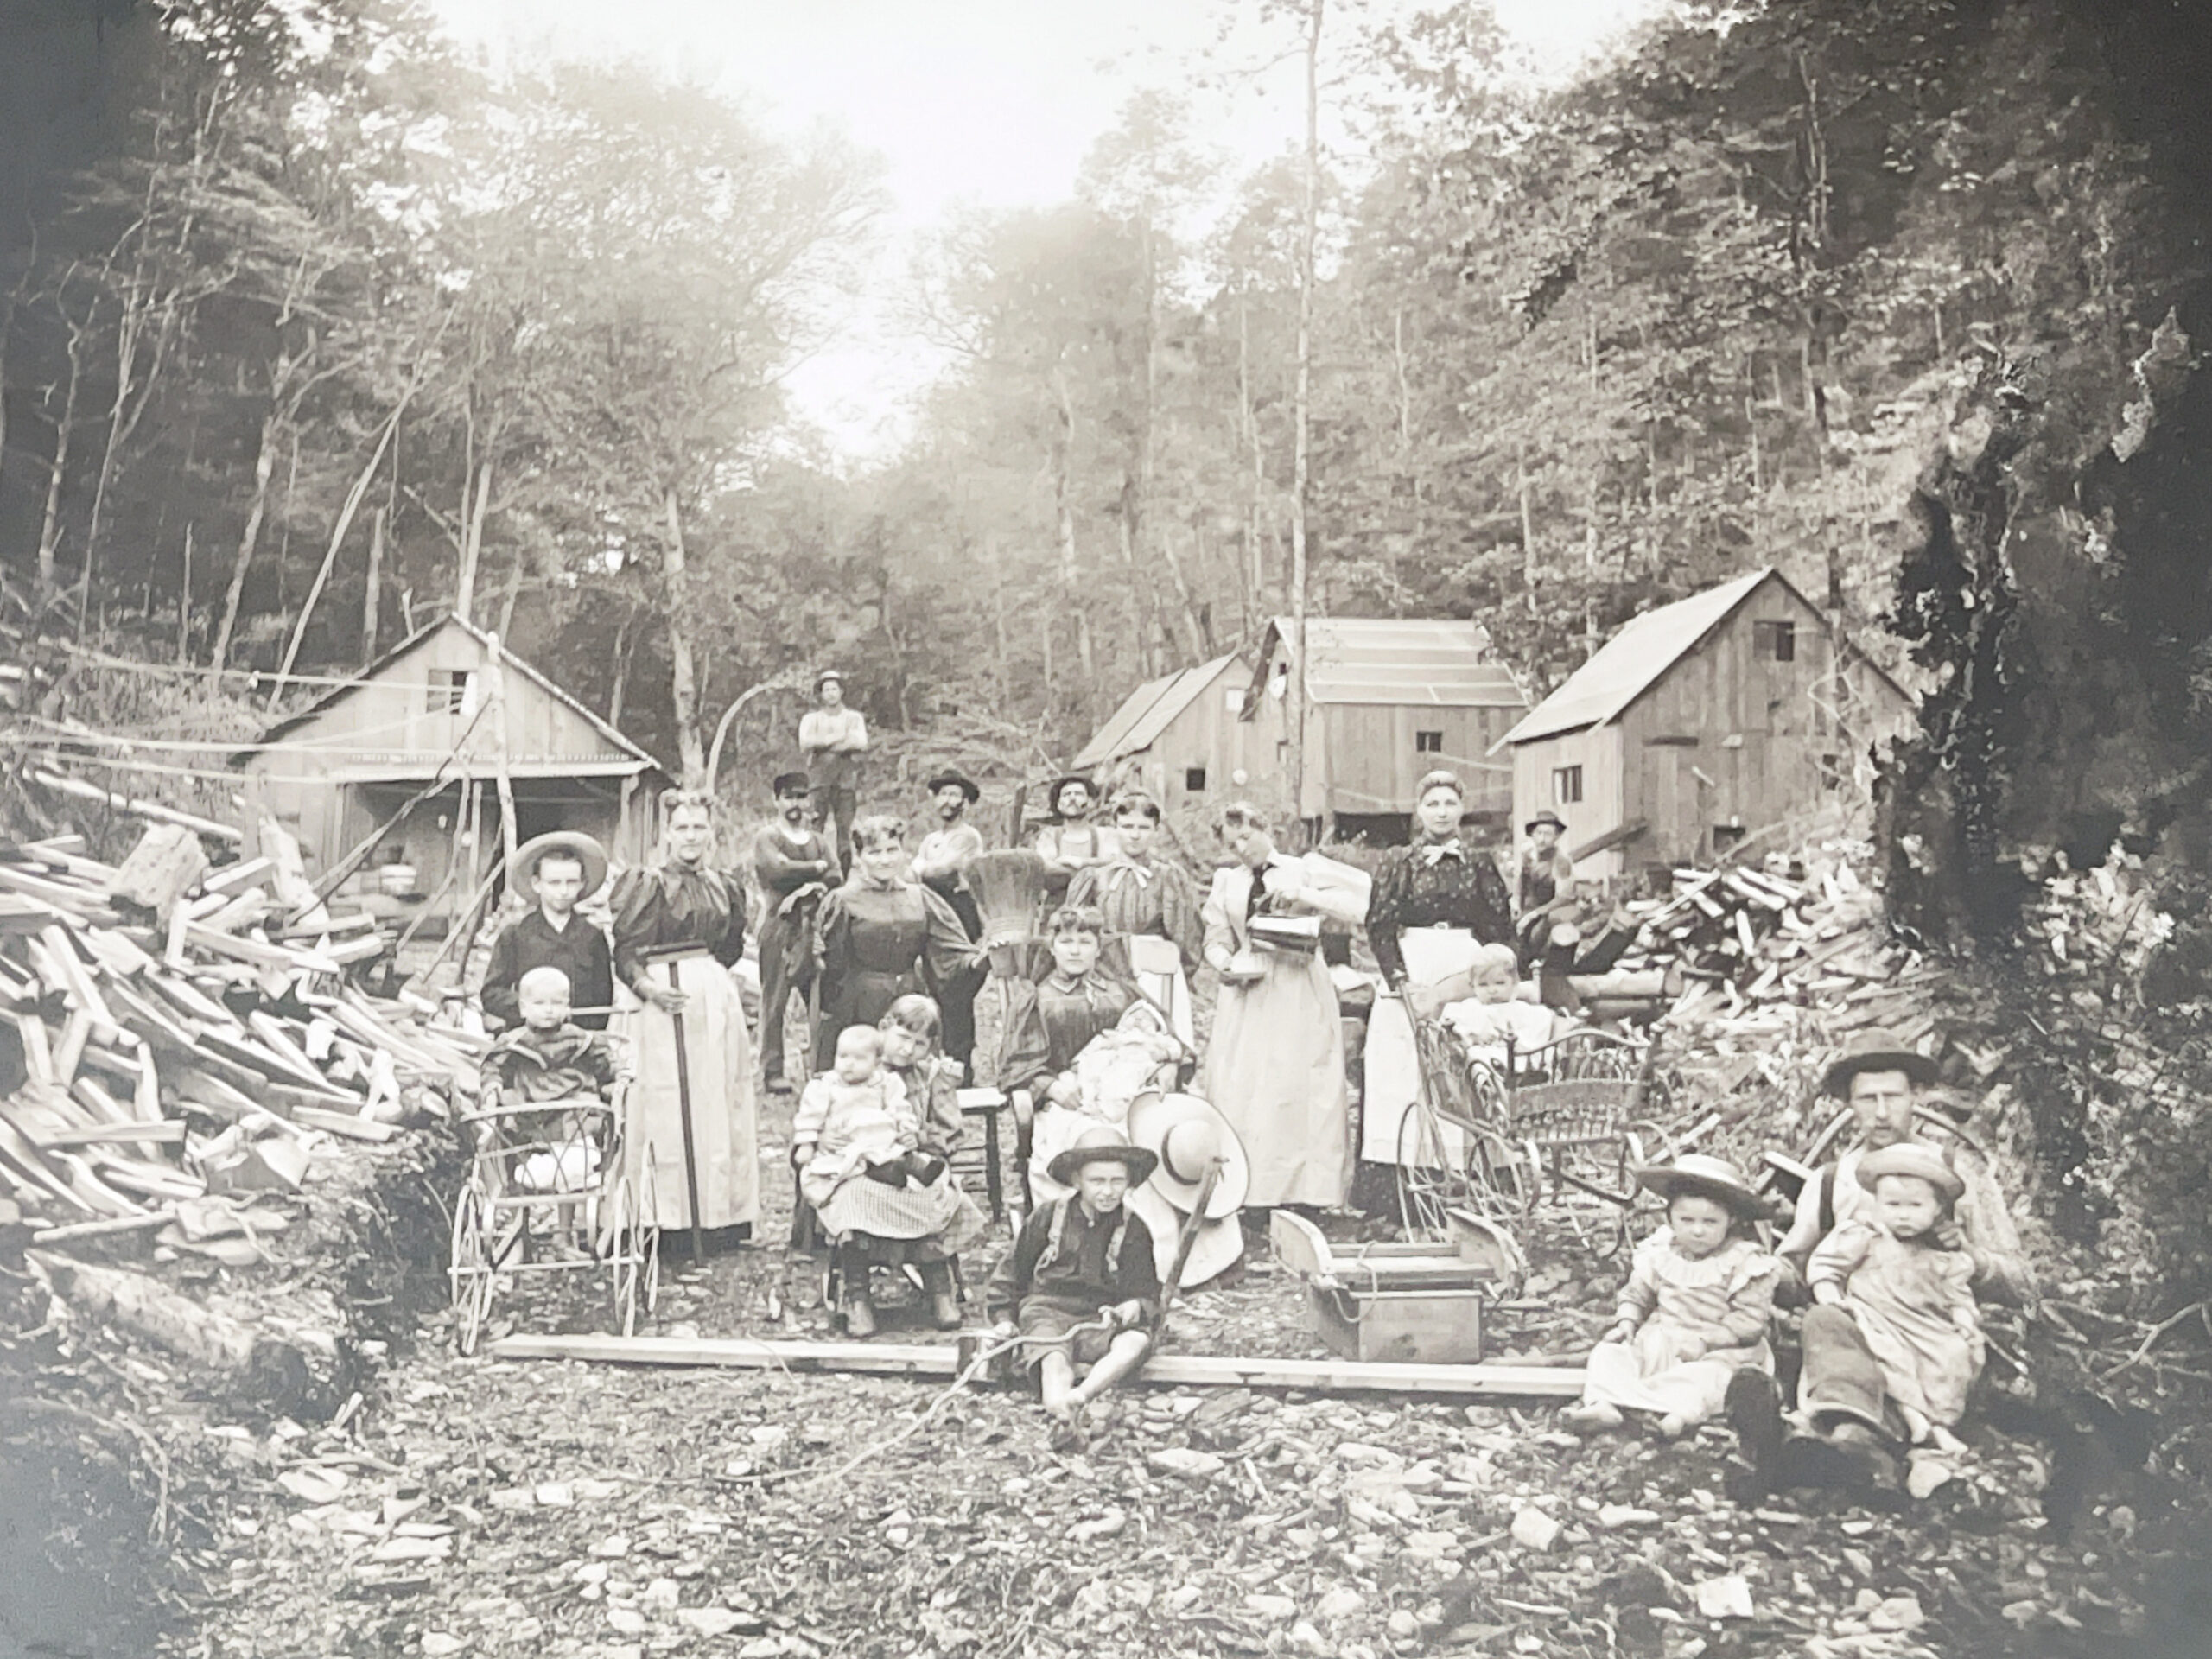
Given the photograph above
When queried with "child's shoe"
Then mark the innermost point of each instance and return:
(945, 1308)
(1593, 1419)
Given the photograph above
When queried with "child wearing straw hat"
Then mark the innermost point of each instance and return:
(1907, 1282)
(1082, 1284)
(1695, 1310)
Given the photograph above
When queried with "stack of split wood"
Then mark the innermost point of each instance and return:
(1770, 958)
(178, 1030)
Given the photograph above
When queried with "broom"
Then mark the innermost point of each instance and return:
(1007, 886)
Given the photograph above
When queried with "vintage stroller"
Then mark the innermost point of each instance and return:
(1568, 1120)
(551, 1191)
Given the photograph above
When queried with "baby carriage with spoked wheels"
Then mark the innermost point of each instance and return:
(1498, 1133)
(552, 1191)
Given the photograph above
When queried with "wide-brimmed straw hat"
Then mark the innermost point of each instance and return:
(1102, 1146)
(826, 673)
(1187, 1134)
(1698, 1175)
(572, 843)
(1215, 1248)
(1914, 1158)
(1545, 817)
(1874, 1050)
(952, 776)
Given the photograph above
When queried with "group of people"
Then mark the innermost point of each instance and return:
(1890, 1246)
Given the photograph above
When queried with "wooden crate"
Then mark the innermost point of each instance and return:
(1428, 1325)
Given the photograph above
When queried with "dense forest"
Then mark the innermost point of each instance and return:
(310, 329)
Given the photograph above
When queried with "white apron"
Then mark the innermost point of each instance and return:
(719, 1054)
(1432, 954)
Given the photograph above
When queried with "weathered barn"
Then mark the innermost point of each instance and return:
(1178, 738)
(408, 754)
(1717, 717)
(1387, 700)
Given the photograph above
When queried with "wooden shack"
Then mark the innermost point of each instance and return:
(1388, 700)
(408, 754)
(1177, 738)
(1704, 722)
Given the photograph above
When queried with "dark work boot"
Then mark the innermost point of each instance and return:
(1755, 1413)
(859, 1307)
(945, 1308)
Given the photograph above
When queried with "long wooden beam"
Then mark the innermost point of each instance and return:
(930, 1360)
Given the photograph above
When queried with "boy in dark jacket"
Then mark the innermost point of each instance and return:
(1082, 1260)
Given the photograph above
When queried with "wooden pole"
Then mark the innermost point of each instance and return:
(683, 1115)
(496, 708)
(373, 594)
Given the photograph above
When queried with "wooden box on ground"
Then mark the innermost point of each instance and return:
(1410, 1304)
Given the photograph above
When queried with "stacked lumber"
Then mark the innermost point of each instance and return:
(179, 1031)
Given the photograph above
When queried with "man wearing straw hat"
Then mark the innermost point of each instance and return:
(563, 869)
(1082, 1284)
(1848, 1432)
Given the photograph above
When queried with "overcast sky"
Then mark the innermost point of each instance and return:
(994, 102)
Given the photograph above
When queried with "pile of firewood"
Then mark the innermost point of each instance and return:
(169, 1031)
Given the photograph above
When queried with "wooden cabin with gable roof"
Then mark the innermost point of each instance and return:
(408, 753)
(1701, 723)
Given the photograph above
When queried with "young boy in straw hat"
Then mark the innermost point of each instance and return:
(1082, 1261)
(1695, 1308)
(1907, 1283)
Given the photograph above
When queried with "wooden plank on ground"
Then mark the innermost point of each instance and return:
(1204, 1370)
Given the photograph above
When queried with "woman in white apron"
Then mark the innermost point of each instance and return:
(1435, 903)
(1274, 1067)
(679, 928)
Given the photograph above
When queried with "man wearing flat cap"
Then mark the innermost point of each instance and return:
(940, 864)
(1849, 1431)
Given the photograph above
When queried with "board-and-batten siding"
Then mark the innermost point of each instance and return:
(1597, 750)
(1755, 728)
(1372, 762)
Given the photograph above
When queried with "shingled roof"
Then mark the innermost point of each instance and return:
(1441, 662)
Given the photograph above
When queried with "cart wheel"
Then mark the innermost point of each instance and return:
(648, 1233)
(1428, 1184)
(1496, 1176)
(471, 1271)
(620, 1220)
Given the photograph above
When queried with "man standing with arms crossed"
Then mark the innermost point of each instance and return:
(833, 738)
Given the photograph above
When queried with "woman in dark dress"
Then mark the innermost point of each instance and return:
(880, 936)
(1434, 902)
(678, 929)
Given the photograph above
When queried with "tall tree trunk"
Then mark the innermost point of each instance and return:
(1064, 513)
(1193, 623)
(682, 675)
(49, 529)
(184, 605)
(1251, 423)
(1302, 443)
(625, 647)
(264, 466)
(372, 589)
(471, 544)
(1528, 526)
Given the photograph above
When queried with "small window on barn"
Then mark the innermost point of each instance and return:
(1232, 699)
(1279, 682)
(1777, 641)
(1429, 742)
(1567, 785)
(1726, 836)
(1194, 780)
(449, 689)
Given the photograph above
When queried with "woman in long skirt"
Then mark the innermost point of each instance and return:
(1275, 1065)
(679, 928)
(1435, 904)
